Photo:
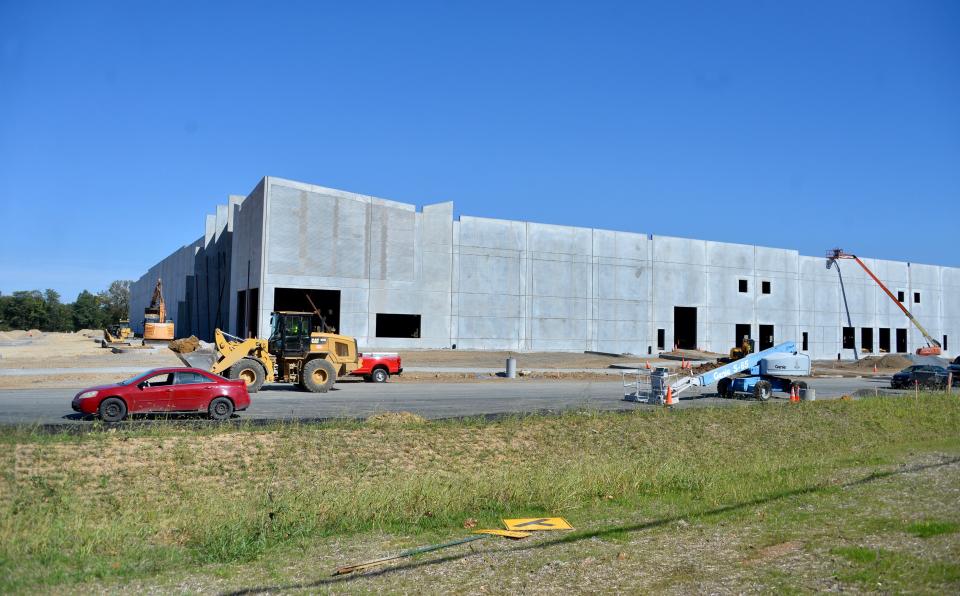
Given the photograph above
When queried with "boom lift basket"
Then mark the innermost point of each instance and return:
(646, 386)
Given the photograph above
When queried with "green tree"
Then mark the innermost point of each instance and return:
(115, 301)
(59, 316)
(25, 310)
(87, 312)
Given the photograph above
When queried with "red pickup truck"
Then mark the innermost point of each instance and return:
(378, 366)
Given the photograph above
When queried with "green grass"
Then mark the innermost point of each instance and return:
(875, 568)
(929, 528)
(110, 506)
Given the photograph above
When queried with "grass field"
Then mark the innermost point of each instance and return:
(785, 497)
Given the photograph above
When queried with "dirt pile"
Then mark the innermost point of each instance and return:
(706, 366)
(896, 361)
(185, 345)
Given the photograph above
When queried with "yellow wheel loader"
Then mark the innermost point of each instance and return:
(117, 334)
(295, 353)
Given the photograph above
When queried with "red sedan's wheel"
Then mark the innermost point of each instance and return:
(221, 408)
(112, 409)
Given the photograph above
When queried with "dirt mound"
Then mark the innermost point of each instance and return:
(396, 419)
(185, 345)
(706, 366)
(896, 361)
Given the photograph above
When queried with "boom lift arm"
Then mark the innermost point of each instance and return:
(758, 365)
(933, 346)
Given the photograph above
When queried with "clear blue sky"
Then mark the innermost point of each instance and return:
(794, 124)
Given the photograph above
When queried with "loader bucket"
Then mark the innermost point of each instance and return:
(201, 359)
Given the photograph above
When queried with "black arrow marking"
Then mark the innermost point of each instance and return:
(535, 522)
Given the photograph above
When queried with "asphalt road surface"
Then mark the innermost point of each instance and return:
(430, 400)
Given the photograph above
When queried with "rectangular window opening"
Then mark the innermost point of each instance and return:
(945, 347)
(916, 297)
(884, 340)
(398, 325)
(805, 344)
(866, 340)
(765, 287)
(742, 285)
(900, 296)
(661, 339)
(849, 341)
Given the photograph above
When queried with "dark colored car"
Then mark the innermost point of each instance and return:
(955, 369)
(924, 375)
(165, 390)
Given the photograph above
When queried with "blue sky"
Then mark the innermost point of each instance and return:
(804, 124)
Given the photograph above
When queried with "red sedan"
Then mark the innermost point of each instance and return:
(165, 390)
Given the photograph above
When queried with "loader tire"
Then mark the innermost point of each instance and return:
(319, 375)
(250, 371)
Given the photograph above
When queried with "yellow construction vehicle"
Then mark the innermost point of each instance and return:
(156, 326)
(747, 346)
(118, 333)
(295, 353)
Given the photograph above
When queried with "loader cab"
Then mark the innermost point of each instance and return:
(289, 334)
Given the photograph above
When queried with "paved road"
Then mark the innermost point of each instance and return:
(430, 400)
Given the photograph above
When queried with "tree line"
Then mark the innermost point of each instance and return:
(33, 309)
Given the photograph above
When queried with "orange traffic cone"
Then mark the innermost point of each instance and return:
(683, 363)
(669, 401)
(794, 393)
(647, 364)
(874, 369)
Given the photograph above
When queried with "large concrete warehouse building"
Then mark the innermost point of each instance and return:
(398, 277)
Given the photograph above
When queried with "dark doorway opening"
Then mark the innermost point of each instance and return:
(685, 327)
(766, 337)
(866, 339)
(247, 312)
(805, 344)
(299, 300)
(901, 341)
(849, 339)
(884, 340)
(742, 331)
(661, 339)
(394, 325)
(241, 326)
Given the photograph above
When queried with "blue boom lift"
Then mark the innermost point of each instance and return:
(758, 374)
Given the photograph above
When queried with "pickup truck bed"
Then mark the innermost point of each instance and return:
(378, 366)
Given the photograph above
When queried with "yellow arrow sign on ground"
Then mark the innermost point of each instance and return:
(528, 524)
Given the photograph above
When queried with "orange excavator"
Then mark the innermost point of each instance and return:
(933, 347)
(156, 326)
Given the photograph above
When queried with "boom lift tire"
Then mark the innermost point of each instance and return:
(319, 375)
(723, 388)
(762, 390)
(249, 370)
